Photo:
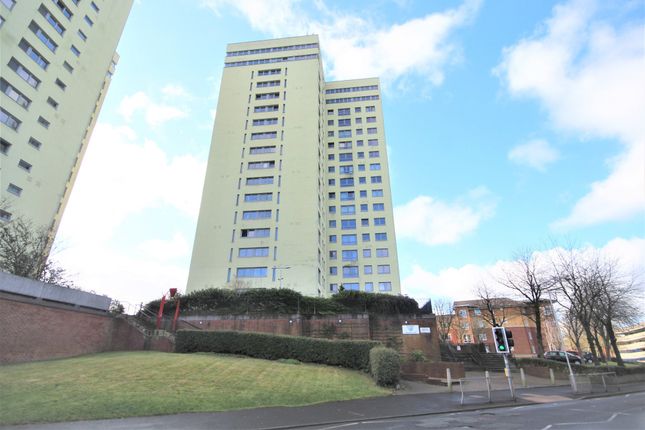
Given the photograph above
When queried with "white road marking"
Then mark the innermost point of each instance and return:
(339, 426)
(547, 427)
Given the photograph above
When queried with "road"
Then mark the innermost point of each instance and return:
(623, 412)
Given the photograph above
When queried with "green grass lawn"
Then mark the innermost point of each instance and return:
(126, 384)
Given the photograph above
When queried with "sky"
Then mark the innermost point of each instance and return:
(510, 126)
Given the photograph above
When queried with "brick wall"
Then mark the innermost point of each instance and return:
(33, 330)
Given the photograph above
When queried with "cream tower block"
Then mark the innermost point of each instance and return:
(297, 191)
(56, 61)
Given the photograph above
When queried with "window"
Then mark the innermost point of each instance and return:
(342, 112)
(374, 154)
(250, 215)
(350, 255)
(344, 133)
(345, 145)
(369, 287)
(68, 14)
(262, 180)
(68, 67)
(346, 170)
(371, 119)
(33, 142)
(330, 122)
(33, 54)
(9, 4)
(361, 167)
(380, 236)
(378, 207)
(333, 255)
(330, 145)
(385, 286)
(251, 272)
(363, 193)
(348, 224)
(350, 271)
(365, 237)
(371, 130)
(261, 165)
(51, 20)
(364, 207)
(383, 269)
(360, 155)
(359, 131)
(358, 108)
(375, 166)
(367, 253)
(4, 215)
(331, 157)
(330, 134)
(4, 146)
(332, 223)
(382, 252)
(482, 337)
(372, 142)
(331, 182)
(262, 150)
(75, 50)
(379, 221)
(463, 313)
(376, 179)
(351, 286)
(333, 270)
(267, 108)
(255, 232)
(40, 34)
(332, 209)
(370, 108)
(348, 209)
(347, 156)
(9, 120)
(377, 193)
(359, 143)
(88, 21)
(25, 74)
(367, 270)
(365, 222)
(81, 35)
(331, 196)
(358, 120)
(269, 72)
(347, 195)
(95, 7)
(333, 288)
(344, 122)
(349, 239)
(51, 102)
(346, 182)
(265, 135)
(332, 238)
(14, 94)
(266, 84)
(258, 197)
(14, 189)
(253, 252)
(60, 84)
(267, 96)
(477, 311)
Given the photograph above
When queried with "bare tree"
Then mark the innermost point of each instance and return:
(493, 308)
(573, 330)
(24, 251)
(445, 312)
(529, 280)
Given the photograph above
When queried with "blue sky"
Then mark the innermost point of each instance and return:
(509, 125)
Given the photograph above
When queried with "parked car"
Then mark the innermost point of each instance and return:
(560, 356)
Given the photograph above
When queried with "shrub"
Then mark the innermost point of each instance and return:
(385, 366)
(345, 353)
(417, 356)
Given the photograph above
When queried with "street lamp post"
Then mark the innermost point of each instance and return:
(281, 273)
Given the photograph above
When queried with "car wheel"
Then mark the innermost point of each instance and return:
(577, 362)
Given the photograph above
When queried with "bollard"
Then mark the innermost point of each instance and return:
(488, 386)
(523, 377)
(449, 379)
(552, 376)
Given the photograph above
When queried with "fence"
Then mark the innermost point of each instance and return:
(495, 388)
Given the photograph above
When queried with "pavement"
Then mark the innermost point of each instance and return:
(415, 399)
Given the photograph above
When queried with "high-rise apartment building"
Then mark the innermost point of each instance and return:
(56, 61)
(297, 192)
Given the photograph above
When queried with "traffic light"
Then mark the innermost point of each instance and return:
(509, 339)
(499, 336)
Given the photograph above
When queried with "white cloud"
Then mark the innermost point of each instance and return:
(175, 90)
(434, 222)
(536, 154)
(588, 75)
(154, 113)
(356, 47)
(459, 283)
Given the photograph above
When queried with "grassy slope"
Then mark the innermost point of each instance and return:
(127, 384)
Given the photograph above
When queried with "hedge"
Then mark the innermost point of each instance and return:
(285, 301)
(345, 353)
(577, 368)
(385, 366)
